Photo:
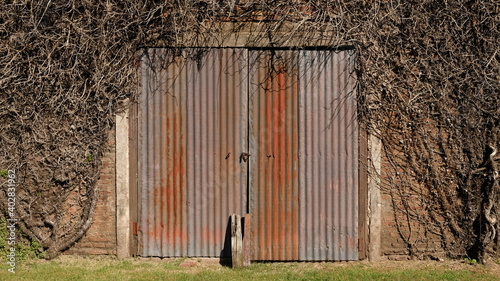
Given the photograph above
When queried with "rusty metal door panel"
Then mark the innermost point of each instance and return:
(274, 154)
(304, 146)
(162, 147)
(328, 148)
(193, 116)
(217, 135)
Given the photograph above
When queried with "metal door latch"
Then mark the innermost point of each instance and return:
(244, 157)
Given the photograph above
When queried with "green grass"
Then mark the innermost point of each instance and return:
(106, 268)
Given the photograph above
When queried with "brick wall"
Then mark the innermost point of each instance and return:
(100, 239)
(398, 229)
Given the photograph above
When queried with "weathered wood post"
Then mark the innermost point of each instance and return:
(236, 242)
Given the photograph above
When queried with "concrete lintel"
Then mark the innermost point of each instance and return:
(122, 186)
(261, 35)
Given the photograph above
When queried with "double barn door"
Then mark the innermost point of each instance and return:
(267, 132)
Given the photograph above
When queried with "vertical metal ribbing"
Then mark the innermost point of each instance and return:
(327, 86)
(303, 123)
(217, 135)
(162, 120)
(352, 155)
(273, 174)
(162, 148)
(150, 174)
(191, 156)
(142, 155)
(328, 158)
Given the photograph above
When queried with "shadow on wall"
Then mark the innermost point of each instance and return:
(225, 253)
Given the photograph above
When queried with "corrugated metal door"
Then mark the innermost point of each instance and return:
(292, 111)
(193, 112)
(328, 157)
(304, 147)
(274, 147)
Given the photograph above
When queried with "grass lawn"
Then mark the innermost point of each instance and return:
(108, 268)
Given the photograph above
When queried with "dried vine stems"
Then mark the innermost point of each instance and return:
(489, 233)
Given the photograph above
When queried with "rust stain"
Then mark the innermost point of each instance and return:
(352, 243)
(279, 226)
(213, 236)
(275, 214)
(183, 236)
(155, 231)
